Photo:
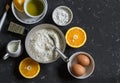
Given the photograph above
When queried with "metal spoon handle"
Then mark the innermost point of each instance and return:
(62, 55)
(2, 20)
(5, 56)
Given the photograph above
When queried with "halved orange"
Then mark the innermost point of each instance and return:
(19, 5)
(29, 68)
(75, 37)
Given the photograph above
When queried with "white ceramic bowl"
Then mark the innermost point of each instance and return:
(27, 13)
(22, 17)
(89, 69)
(39, 27)
(62, 15)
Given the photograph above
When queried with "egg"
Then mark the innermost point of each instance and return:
(78, 70)
(83, 59)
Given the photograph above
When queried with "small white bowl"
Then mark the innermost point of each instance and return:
(27, 13)
(62, 15)
(89, 69)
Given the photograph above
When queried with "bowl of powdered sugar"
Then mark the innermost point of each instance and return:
(62, 15)
(39, 45)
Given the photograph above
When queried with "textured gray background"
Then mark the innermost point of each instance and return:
(99, 18)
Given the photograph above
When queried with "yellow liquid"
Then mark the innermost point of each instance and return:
(35, 7)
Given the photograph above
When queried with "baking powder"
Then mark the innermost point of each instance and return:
(61, 16)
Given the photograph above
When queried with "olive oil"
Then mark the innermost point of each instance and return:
(35, 7)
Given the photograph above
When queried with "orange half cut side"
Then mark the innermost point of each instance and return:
(19, 5)
(29, 68)
(76, 37)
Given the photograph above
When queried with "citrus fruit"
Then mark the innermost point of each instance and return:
(19, 5)
(75, 37)
(29, 68)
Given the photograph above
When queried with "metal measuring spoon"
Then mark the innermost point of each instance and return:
(62, 55)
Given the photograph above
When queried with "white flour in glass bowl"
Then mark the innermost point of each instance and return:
(40, 46)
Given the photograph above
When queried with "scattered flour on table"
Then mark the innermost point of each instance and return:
(42, 45)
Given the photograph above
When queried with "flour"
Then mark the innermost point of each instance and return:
(61, 16)
(42, 45)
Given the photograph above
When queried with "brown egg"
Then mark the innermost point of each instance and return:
(78, 70)
(83, 60)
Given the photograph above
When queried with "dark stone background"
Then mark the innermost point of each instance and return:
(99, 18)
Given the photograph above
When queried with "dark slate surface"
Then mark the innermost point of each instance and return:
(99, 18)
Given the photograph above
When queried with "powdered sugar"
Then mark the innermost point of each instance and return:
(62, 15)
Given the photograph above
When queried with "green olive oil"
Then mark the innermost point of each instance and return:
(35, 7)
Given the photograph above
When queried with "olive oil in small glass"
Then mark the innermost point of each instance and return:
(35, 7)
